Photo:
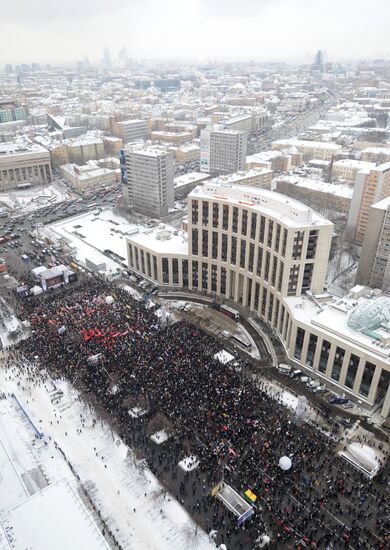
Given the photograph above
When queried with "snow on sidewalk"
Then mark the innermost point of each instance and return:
(129, 497)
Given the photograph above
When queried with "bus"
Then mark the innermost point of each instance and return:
(230, 312)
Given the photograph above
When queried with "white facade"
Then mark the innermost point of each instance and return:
(150, 188)
(222, 151)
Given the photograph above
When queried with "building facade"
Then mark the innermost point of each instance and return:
(222, 151)
(370, 187)
(150, 181)
(309, 149)
(374, 262)
(23, 164)
(269, 254)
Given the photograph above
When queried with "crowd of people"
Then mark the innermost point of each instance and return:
(124, 357)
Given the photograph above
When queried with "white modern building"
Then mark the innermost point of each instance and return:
(222, 151)
(150, 187)
(268, 254)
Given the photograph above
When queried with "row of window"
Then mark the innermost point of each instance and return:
(251, 224)
(335, 373)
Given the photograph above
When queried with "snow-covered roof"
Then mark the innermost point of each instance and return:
(53, 518)
(167, 240)
(339, 189)
(289, 211)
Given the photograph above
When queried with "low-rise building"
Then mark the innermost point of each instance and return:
(171, 137)
(348, 168)
(185, 183)
(88, 177)
(320, 195)
(309, 149)
(23, 164)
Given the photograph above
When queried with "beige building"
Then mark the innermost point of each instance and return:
(171, 137)
(88, 177)
(374, 261)
(58, 155)
(348, 168)
(112, 146)
(370, 187)
(268, 254)
(276, 161)
(186, 153)
(309, 149)
(376, 154)
(255, 177)
(82, 150)
(22, 164)
(320, 195)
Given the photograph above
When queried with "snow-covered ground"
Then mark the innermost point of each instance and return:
(89, 235)
(27, 200)
(129, 498)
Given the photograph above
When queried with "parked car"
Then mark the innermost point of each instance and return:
(319, 390)
(348, 405)
(295, 373)
(337, 400)
(305, 379)
(313, 384)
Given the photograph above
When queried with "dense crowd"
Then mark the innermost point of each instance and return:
(125, 358)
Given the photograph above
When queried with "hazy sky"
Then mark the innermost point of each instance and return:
(65, 30)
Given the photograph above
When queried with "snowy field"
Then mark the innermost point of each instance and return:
(89, 235)
(24, 201)
(128, 496)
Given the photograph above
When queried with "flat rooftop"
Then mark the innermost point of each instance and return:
(53, 518)
(338, 189)
(333, 317)
(280, 207)
(291, 142)
(162, 240)
(191, 177)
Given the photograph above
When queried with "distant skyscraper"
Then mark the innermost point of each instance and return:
(107, 58)
(222, 151)
(319, 62)
(122, 56)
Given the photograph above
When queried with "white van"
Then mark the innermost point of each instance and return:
(283, 368)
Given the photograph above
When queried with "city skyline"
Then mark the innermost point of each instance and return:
(267, 30)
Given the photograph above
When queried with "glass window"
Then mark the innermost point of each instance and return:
(337, 363)
(325, 350)
(194, 242)
(165, 268)
(253, 225)
(353, 366)
(299, 343)
(368, 373)
(244, 222)
(311, 349)
(175, 271)
(233, 255)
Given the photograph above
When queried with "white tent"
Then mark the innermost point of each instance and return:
(35, 290)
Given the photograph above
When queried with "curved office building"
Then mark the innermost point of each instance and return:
(269, 254)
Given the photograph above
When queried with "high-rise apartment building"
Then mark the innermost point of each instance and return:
(374, 262)
(150, 181)
(370, 187)
(222, 151)
(130, 130)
